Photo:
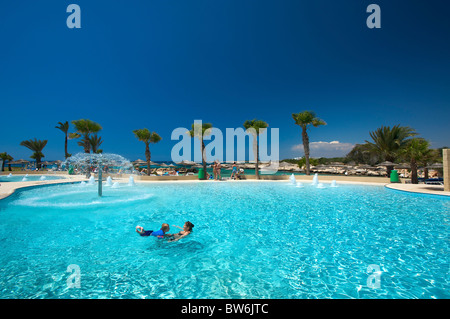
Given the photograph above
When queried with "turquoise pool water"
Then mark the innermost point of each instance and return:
(29, 178)
(250, 240)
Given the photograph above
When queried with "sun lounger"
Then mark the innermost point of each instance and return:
(434, 181)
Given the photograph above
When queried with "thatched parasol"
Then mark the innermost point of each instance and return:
(21, 161)
(186, 163)
(139, 162)
(386, 163)
(435, 166)
(403, 166)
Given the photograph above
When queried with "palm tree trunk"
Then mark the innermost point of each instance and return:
(65, 148)
(203, 158)
(414, 178)
(425, 172)
(147, 157)
(87, 145)
(305, 139)
(257, 158)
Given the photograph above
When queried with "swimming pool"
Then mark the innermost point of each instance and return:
(250, 240)
(27, 178)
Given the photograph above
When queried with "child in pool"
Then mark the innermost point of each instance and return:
(186, 230)
(159, 233)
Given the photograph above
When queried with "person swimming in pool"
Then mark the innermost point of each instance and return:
(158, 233)
(186, 230)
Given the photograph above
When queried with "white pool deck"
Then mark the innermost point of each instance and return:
(8, 188)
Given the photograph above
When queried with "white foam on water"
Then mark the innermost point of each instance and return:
(31, 202)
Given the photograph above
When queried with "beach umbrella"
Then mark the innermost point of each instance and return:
(186, 163)
(435, 166)
(284, 164)
(139, 161)
(21, 161)
(364, 166)
(386, 163)
(164, 165)
(336, 164)
(403, 166)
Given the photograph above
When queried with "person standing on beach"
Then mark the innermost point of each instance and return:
(214, 166)
(218, 168)
(234, 171)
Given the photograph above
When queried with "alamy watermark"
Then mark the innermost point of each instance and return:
(74, 279)
(73, 21)
(374, 19)
(263, 147)
(374, 279)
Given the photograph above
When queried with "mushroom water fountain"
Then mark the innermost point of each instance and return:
(86, 163)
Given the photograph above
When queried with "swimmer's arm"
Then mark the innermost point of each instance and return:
(181, 237)
(178, 227)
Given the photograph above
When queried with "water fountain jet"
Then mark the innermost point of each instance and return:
(91, 180)
(131, 181)
(315, 180)
(292, 179)
(83, 162)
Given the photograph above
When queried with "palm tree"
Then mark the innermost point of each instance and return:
(387, 142)
(147, 137)
(305, 119)
(6, 157)
(64, 127)
(84, 128)
(429, 158)
(95, 142)
(363, 154)
(415, 150)
(199, 131)
(36, 146)
(256, 127)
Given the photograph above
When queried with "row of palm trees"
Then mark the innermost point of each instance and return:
(304, 119)
(199, 131)
(87, 131)
(388, 143)
(399, 143)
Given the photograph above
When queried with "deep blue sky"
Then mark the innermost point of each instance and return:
(162, 64)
